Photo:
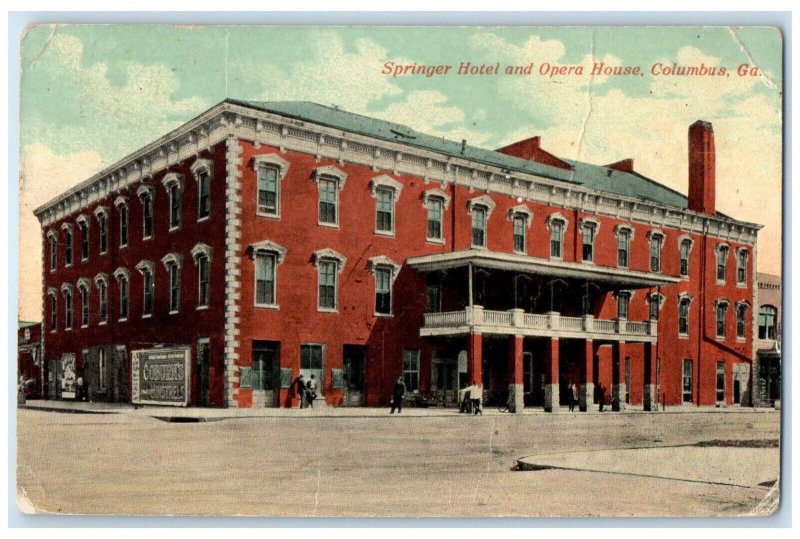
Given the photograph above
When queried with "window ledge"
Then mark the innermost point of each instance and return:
(720, 282)
(385, 233)
(201, 219)
(435, 241)
(84, 326)
(122, 320)
(123, 246)
(201, 308)
(481, 247)
(271, 306)
(147, 238)
(103, 253)
(590, 262)
(174, 228)
(102, 323)
(84, 260)
(67, 329)
(327, 310)
(720, 338)
(275, 216)
(741, 285)
(384, 315)
(147, 316)
(174, 312)
(683, 336)
(684, 277)
(68, 265)
(741, 339)
(328, 225)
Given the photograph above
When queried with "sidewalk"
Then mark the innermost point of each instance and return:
(212, 414)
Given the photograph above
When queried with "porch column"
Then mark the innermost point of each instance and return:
(586, 398)
(551, 393)
(516, 392)
(618, 390)
(475, 367)
(650, 397)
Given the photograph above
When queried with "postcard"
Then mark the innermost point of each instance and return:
(400, 271)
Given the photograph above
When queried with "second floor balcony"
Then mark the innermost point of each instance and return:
(476, 319)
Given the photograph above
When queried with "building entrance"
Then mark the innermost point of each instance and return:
(354, 374)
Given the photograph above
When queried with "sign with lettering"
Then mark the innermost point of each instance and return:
(161, 376)
(68, 376)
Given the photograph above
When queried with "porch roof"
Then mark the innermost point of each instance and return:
(617, 277)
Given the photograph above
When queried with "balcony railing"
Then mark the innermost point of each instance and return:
(516, 321)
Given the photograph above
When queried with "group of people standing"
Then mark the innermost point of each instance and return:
(572, 396)
(306, 390)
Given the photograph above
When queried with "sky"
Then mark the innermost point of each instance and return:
(91, 94)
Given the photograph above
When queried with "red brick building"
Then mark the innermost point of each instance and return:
(266, 240)
(29, 357)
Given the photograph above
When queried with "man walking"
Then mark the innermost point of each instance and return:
(398, 395)
(572, 394)
(300, 387)
(311, 390)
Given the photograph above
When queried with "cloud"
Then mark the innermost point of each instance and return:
(43, 176)
(350, 80)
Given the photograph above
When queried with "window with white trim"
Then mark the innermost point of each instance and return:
(411, 369)
(557, 228)
(623, 302)
(67, 308)
(741, 320)
(433, 298)
(174, 273)
(722, 262)
(83, 225)
(479, 214)
(384, 210)
(147, 214)
(654, 302)
(741, 267)
(520, 228)
(588, 229)
(83, 291)
(124, 294)
(173, 183)
(203, 281)
(268, 190)
(123, 225)
(683, 315)
(265, 266)
(685, 249)
(656, 241)
(722, 314)
(623, 247)
(148, 288)
(383, 290)
(329, 263)
(435, 207)
(53, 242)
(67, 246)
(102, 220)
(328, 200)
(203, 194)
(53, 310)
(102, 289)
(767, 322)
(688, 384)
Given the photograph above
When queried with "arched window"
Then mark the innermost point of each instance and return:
(173, 183)
(122, 207)
(201, 169)
(172, 263)
(767, 322)
(435, 202)
(656, 241)
(722, 315)
(557, 224)
(201, 253)
(741, 267)
(722, 262)
(146, 268)
(123, 281)
(685, 248)
(624, 237)
(329, 264)
(589, 229)
(386, 190)
(101, 280)
(385, 271)
(267, 255)
(683, 314)
(102, 220)
(741, 320)
(67, 243)
(481, 209)
(83, 291)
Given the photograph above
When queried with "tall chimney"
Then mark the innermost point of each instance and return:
(702, 168)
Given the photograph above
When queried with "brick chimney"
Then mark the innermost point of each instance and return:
(702, 168)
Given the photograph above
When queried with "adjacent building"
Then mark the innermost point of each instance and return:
(767, 366)
(29, 358)
(262, 240)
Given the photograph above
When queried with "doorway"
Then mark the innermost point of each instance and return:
(312, 363)
(444, 379)
(267, 371)
(354, 374)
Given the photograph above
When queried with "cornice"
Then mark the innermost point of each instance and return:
(229, 119)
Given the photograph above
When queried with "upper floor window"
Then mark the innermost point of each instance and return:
(741, 320)
(386, 190)
(521, 218)
(146, 194)
(330, 180)
(385, 270)
(624, 235)
(146, 268)
(173, 183)
(102, 291)
(623, 301)
(67, 244)
(172, 263)
(83, 226)
(722, 313)
(558, 225)
(201, 253)
(52, 240)
(683, 314)
(588, 232)
(102, 225)
(201, 169)
(329, 264)
(266, 257)
(479, 226)
(685, 249)
(123, 281)
(83, 291)
(722, 262)
(67, 291)
(654, 302)
(435, 202)
(433, 298)
(51, 293)
(270, 169)
(122, 207)
(767, 322)
(741, 267)
(656, 241)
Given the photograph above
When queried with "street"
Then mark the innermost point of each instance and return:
(299, 464)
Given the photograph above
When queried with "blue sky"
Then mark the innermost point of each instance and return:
(92, 94)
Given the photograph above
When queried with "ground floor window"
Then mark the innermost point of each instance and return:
(720, 381)
(687, 380)
(264, 375)
(411, 369)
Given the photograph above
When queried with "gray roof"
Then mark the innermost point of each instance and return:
(596, 177)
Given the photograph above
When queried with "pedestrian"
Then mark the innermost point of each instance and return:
(601, 395)
(398, 395)
(311, 390)
(79, 394)
(475, 397)
(300, 387)
(21, 390)
(572, 395)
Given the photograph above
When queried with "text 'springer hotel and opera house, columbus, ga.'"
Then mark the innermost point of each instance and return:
(262, 240)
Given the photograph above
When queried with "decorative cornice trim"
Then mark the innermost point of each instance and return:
(332, 171)
(329, 254)
(172, 258)
(387, 182)
(122, 272)
(201, 249)
(435, 193)
(270, 246)
(523, 210)
(377, 261)
(483, 200)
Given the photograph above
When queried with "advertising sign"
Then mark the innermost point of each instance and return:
(68, 376)
(161, 376)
